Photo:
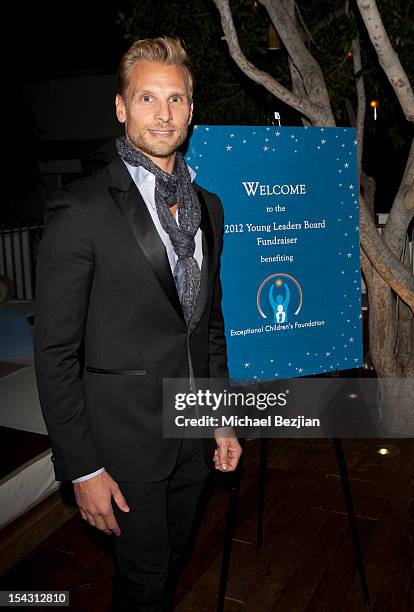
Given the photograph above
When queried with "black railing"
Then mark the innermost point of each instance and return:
(18, 247)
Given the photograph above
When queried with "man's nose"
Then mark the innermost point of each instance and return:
(163, 112)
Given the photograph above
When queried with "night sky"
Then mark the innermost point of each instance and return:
(57, 39)
(64, 38)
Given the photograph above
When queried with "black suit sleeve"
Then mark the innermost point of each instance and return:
(217, 339)
(64, 275)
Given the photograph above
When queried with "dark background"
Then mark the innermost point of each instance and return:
(54, 42)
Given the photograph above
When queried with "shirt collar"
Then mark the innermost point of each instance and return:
(141, 175)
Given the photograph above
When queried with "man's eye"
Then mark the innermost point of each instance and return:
(175, 99)
(146, 98)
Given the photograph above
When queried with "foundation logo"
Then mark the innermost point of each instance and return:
(279, 297)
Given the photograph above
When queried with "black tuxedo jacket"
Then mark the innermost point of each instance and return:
(109, 327)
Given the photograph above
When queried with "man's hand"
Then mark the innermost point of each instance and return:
(228, 451)
(94, 497)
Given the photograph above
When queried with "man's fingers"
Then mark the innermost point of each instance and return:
(227, 454)
(233, 460)
(223, 460)
(90, 519)
(101, 524)
(111, 524)
(120, 500)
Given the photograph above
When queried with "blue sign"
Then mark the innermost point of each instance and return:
(290, 266)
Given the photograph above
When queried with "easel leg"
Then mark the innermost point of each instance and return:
(228, 540)
(262, 493)
(340, 457)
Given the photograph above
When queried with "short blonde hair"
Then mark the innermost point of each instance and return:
(163, 50)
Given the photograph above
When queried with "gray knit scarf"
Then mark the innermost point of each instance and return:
(173, 189)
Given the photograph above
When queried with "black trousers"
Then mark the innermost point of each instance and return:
(156, 532)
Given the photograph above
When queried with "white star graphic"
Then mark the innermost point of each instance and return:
(277, 133)
(229, 147)
(323, 141)
(346, 165)
(247, 365)
(265, 148)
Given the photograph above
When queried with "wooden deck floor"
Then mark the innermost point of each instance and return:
(307, 563)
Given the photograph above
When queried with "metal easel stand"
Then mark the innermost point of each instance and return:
(228, 537)
(343, 471)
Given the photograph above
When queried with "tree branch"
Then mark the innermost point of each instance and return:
(302, 105)
(361, 98)
(382, 258)
(306, 64)
(387, 57)
(402, 210)
(382, 326)
(367, 269)
(323, 23)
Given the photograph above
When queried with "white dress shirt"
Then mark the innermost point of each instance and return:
(145, 181)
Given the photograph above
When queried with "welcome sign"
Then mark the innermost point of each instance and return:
(290, 265)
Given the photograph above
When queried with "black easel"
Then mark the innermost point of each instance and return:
(343, 471)
(232, 510)
(228, 537)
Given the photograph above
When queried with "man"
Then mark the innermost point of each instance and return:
(128, 293)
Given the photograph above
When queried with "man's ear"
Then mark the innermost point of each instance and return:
(120, 109)
(191, 113)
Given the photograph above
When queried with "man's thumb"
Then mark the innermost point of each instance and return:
(120, 500)
(224, 457)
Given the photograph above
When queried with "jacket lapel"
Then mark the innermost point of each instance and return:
(134, 210)
(207, 265)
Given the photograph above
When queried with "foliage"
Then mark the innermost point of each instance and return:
(224, 95)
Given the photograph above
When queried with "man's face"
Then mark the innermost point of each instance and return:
(155, 109)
